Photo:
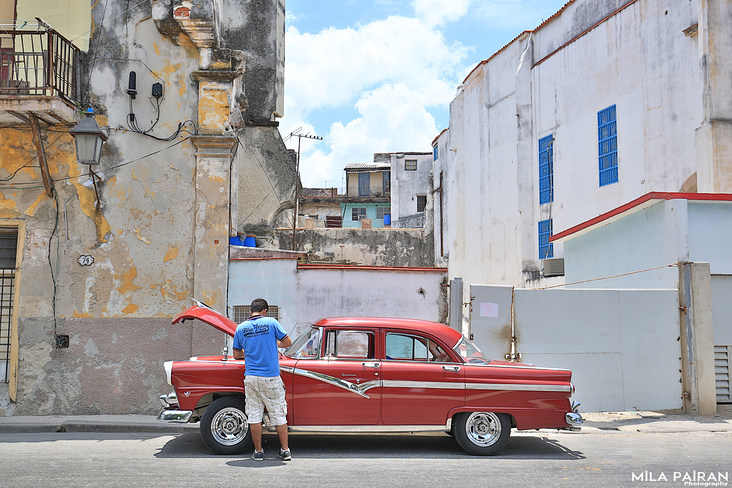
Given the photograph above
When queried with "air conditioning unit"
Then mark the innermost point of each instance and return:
(553, 266)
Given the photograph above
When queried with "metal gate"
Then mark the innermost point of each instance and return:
(8, 249)
(722, 359)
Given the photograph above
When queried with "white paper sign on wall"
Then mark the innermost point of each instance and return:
(489, 310)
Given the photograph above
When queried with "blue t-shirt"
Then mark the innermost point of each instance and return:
(258, 338)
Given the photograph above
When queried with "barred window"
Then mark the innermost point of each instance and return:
(241, 312)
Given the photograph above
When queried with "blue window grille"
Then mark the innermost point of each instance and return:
(546, 169)
(434, 153)
(607, 136)
(546, 249)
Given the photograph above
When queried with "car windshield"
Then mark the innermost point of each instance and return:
(470, 352)
(305, 346)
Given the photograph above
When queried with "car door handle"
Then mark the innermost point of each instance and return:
(451, 368)
(370, 365)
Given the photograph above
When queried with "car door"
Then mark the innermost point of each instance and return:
(343, 385)
(422, 381)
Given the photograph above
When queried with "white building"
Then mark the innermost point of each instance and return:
(410, 187)
(605, 102)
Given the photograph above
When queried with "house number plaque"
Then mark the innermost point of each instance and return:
(86, 260)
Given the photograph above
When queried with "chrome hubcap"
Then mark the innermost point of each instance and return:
(483, 429)
(229, 426)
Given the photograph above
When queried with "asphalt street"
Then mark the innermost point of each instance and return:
(596, 457)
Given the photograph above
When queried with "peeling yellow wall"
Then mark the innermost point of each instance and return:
(71, 18)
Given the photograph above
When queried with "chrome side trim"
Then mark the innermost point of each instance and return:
(362, 388)
(518, 387)
(442, 385)
(448, 426)
(175, 415)
(358, 389)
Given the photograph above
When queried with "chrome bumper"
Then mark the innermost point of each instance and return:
(169, 410)
(574, 419)
(175, 415)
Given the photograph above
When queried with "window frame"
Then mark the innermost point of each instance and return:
(607, 146)
(414, 337)
(358, 217)
(424, 206)
(545, 232)
(364, 184)
(546, 169)
(335, 332)
(243, 312)
(410, 167)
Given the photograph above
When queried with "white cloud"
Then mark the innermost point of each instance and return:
(332, 67)
(389, 70)
(437, 12)
(392, 118)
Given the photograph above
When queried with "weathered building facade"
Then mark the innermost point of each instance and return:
(602, 103)
(105, 254)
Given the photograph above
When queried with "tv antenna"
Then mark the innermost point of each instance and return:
(300, 136)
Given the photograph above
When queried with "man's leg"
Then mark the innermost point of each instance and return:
(281, 433)
(257, 435)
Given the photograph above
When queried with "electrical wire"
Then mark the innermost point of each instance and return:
(50, 266)
(33, 185)
(28, 163)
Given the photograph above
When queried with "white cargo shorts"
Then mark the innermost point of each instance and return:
(265, 392)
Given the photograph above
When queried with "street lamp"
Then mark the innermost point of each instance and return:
(89, 139)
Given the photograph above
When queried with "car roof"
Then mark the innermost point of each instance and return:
(441, 331)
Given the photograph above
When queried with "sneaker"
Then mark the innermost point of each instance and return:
(285, 455)
(259, 456)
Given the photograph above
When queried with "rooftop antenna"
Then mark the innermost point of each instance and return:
(298, 133)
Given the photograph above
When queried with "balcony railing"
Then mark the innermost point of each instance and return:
(37, 60)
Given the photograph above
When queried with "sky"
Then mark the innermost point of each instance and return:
(374, 76)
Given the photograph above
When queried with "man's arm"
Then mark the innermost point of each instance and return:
(285, 342)
(238, 353)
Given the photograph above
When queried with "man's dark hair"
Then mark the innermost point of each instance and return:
(258, 305)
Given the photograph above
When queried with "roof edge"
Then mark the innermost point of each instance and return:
(635, 205)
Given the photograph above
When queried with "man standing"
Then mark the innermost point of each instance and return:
(256, 340)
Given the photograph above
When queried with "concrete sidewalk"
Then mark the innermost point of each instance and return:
(643, 422)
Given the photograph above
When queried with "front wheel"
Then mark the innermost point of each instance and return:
(224, 426)
(482, 433)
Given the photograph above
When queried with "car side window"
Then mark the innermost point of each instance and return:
(349, 344)
(414, 348)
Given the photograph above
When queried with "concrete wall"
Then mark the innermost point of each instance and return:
(305, 295)
(372, 247)
(553, 81)
(160, 233)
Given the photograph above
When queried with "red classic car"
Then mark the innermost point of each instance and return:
(368, 371)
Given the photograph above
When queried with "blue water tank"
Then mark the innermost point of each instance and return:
(387, 219)
(250, 241)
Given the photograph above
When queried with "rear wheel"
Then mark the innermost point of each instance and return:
(482, 433)
(224, 426)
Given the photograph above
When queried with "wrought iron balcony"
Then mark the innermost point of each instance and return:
(39, 74)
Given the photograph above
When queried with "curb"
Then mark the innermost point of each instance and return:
(92, 423)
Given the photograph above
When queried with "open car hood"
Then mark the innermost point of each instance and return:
(204, 313)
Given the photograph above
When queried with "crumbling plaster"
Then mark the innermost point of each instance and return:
(158, 234)
(372, 247)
